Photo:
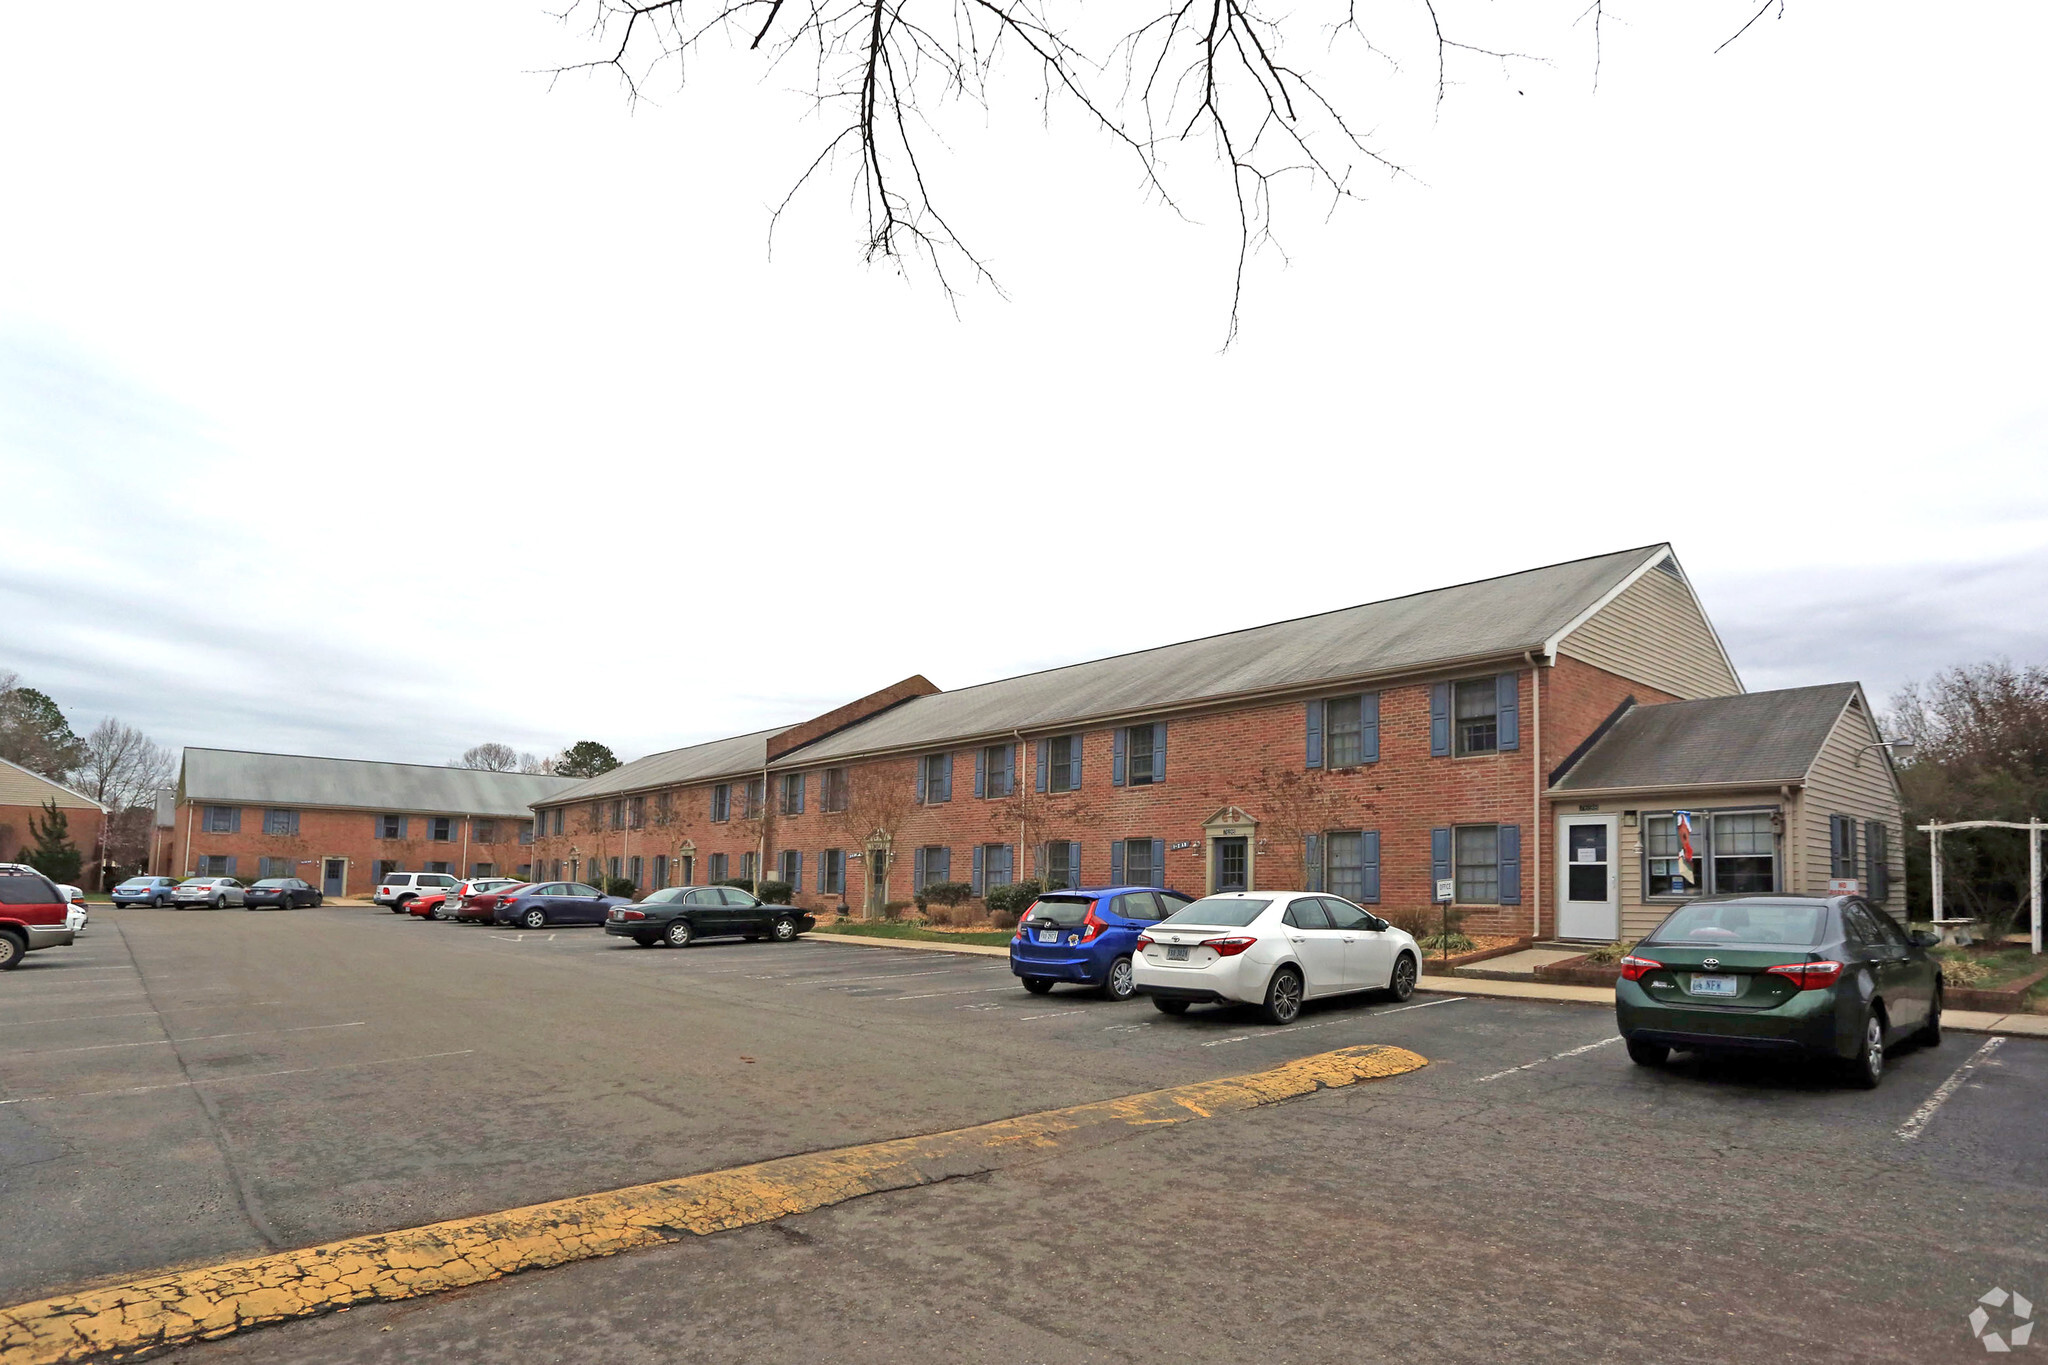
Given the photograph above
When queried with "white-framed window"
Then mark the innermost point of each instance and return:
(1060, 870)
(832, 872)
(1734, 852)
(216, 865)
(792, 794)
(636, 814)
(281, 822)
(750, 866)
(441, 829)
(219, 820)
(1343, 735)
(1138, 869)
(791, 868)
(393, 827)
(1476, 855)
(275, 867)
(1476, 704)
(832, 789)
(1063, 763)
(484, 831)
(716, 866)
(1141, 755)
(938, 778)
(721, 804)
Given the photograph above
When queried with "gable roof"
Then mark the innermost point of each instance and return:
(20, 787)
(236, 776)
(1492, 618)
(1754, 738)
(673, 767)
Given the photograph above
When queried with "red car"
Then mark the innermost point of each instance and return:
(428, 905)
(478, 907)
(33, 914)
(450, 904)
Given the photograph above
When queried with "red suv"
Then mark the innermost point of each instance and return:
(32, 914)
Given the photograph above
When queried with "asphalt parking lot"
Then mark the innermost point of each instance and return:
(184, 1087)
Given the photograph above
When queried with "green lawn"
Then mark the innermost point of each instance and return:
(2002, 967)
(994, 938)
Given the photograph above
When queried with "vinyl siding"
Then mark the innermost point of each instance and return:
(1640, 914)
(1655, 633)
(1847, 779)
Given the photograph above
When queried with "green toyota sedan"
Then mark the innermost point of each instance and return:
(1820, 976)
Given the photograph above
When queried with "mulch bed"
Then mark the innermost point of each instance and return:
(1496, 946)
(1576, 971)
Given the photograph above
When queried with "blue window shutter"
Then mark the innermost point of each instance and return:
(404, 825)
(1508, 703)
(1009, 863)
(1044, 760)
(1440, 720)
(231, 857)
(1116, 760)
(1010, 771)
(797, 882)
(1038, 861)
(1159, 862)
(1077, 762)
(1439, 858)
(980, 773)
(917, 870)
(980, 868)
(945, 865)
(1074, 863)
(947, 794)
(1369, 726)
(1312, 862)
(234, 827)
(803, 789)
(920, 782)
(1159, 751)
(1116, 863)
(1510, 853)
(1315, 734)
(823, 858)
(1369, 859)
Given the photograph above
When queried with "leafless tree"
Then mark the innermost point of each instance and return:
(880, 800)
(534, 763)
(491, 758)
(1265, 95)
(120, 767)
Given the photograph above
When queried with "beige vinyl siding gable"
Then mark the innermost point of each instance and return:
(1850, 778)
(20, 787)
(1655, 633)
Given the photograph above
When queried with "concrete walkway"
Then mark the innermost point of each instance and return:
(1519, 966)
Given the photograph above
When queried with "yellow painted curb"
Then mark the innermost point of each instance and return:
(214, 1301)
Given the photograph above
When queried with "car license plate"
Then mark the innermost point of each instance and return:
(1048, 936)
(1714, 985)
(1174, 954)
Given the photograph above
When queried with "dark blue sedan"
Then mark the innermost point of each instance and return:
(547, 903)
(1087, 936)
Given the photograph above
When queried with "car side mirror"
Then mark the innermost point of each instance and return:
(1923, 938)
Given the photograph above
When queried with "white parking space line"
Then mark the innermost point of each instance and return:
(1553, 1057)
(976, 990)
(200, 1038)
(1056, 1014)
(131, 1014)
(1913, 1127)
(222, 1080)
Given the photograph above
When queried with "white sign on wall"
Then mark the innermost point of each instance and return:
(1845, 886)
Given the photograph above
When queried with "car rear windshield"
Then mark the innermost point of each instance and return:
(197, 881)
(26, 888)
(1221, 912)
(665, 895)
(1061, 910)
(273, 882)
(133, 882)
(1777, 925)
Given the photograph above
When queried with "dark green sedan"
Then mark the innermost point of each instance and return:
(1820, 976)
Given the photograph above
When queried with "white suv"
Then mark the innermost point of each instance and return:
(397, 890)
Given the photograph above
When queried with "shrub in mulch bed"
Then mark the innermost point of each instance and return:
(1443, 966)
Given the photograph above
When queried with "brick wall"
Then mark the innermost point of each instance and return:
(346, 834)
(82, 827)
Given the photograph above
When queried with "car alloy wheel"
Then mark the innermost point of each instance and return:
(785, 929)
(1869, 1064)
(535, 918)
(10, 952)
(1283, 997)
(1119, 984)
(1403, 982)
(678, 933)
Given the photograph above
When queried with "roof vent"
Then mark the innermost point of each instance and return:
(1668, 565)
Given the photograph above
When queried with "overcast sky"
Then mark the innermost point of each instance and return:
(361, 395)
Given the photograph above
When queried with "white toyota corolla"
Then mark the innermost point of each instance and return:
(1273, 949)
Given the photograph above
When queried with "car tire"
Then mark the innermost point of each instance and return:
(678, 934)
(404, 905)
(785, 929)
(1037, 985)
(534, 918)
(218, 902)
(1166, 1006)
(1283, 996)
(1118, 983)
(644, 941)
(1648, 1054)
(1866, 1070)
(1401, 983)
(13, 948)
(1930, 1032)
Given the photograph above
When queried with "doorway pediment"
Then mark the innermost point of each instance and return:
(1231, 820)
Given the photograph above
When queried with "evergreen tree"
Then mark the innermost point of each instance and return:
(53, 855)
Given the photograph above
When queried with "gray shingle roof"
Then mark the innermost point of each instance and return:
(239, 777)
(1495, 616)
(1758, 737)
(673, 767)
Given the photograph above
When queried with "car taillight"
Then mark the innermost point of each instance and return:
(1228, 947)
(1091, 926)
(632, 914)
(1144, 942)
(1808, 976)
(1635, 968)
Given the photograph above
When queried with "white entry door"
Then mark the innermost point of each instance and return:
(1589, 881)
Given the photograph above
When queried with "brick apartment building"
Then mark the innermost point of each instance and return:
(25, 796)
(340, 823)
(1368, 751)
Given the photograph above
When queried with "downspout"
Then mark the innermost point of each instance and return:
(1536, 791)
(460, 874)
(1023, 807)
(188, 841)
(761, 839)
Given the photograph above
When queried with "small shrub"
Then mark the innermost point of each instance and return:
(1447, 945)
(743, 883)
(946, 893)
(776, 893)
(1012, 900)
(1959, 968)
(618, 886)
(1607, 954)
(1425, 920)
(893, 910)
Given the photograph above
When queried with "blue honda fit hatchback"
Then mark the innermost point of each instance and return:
(1087, 936)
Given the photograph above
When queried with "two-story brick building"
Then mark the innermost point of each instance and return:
(25, 799)
(340, 823)
(1371, 751)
